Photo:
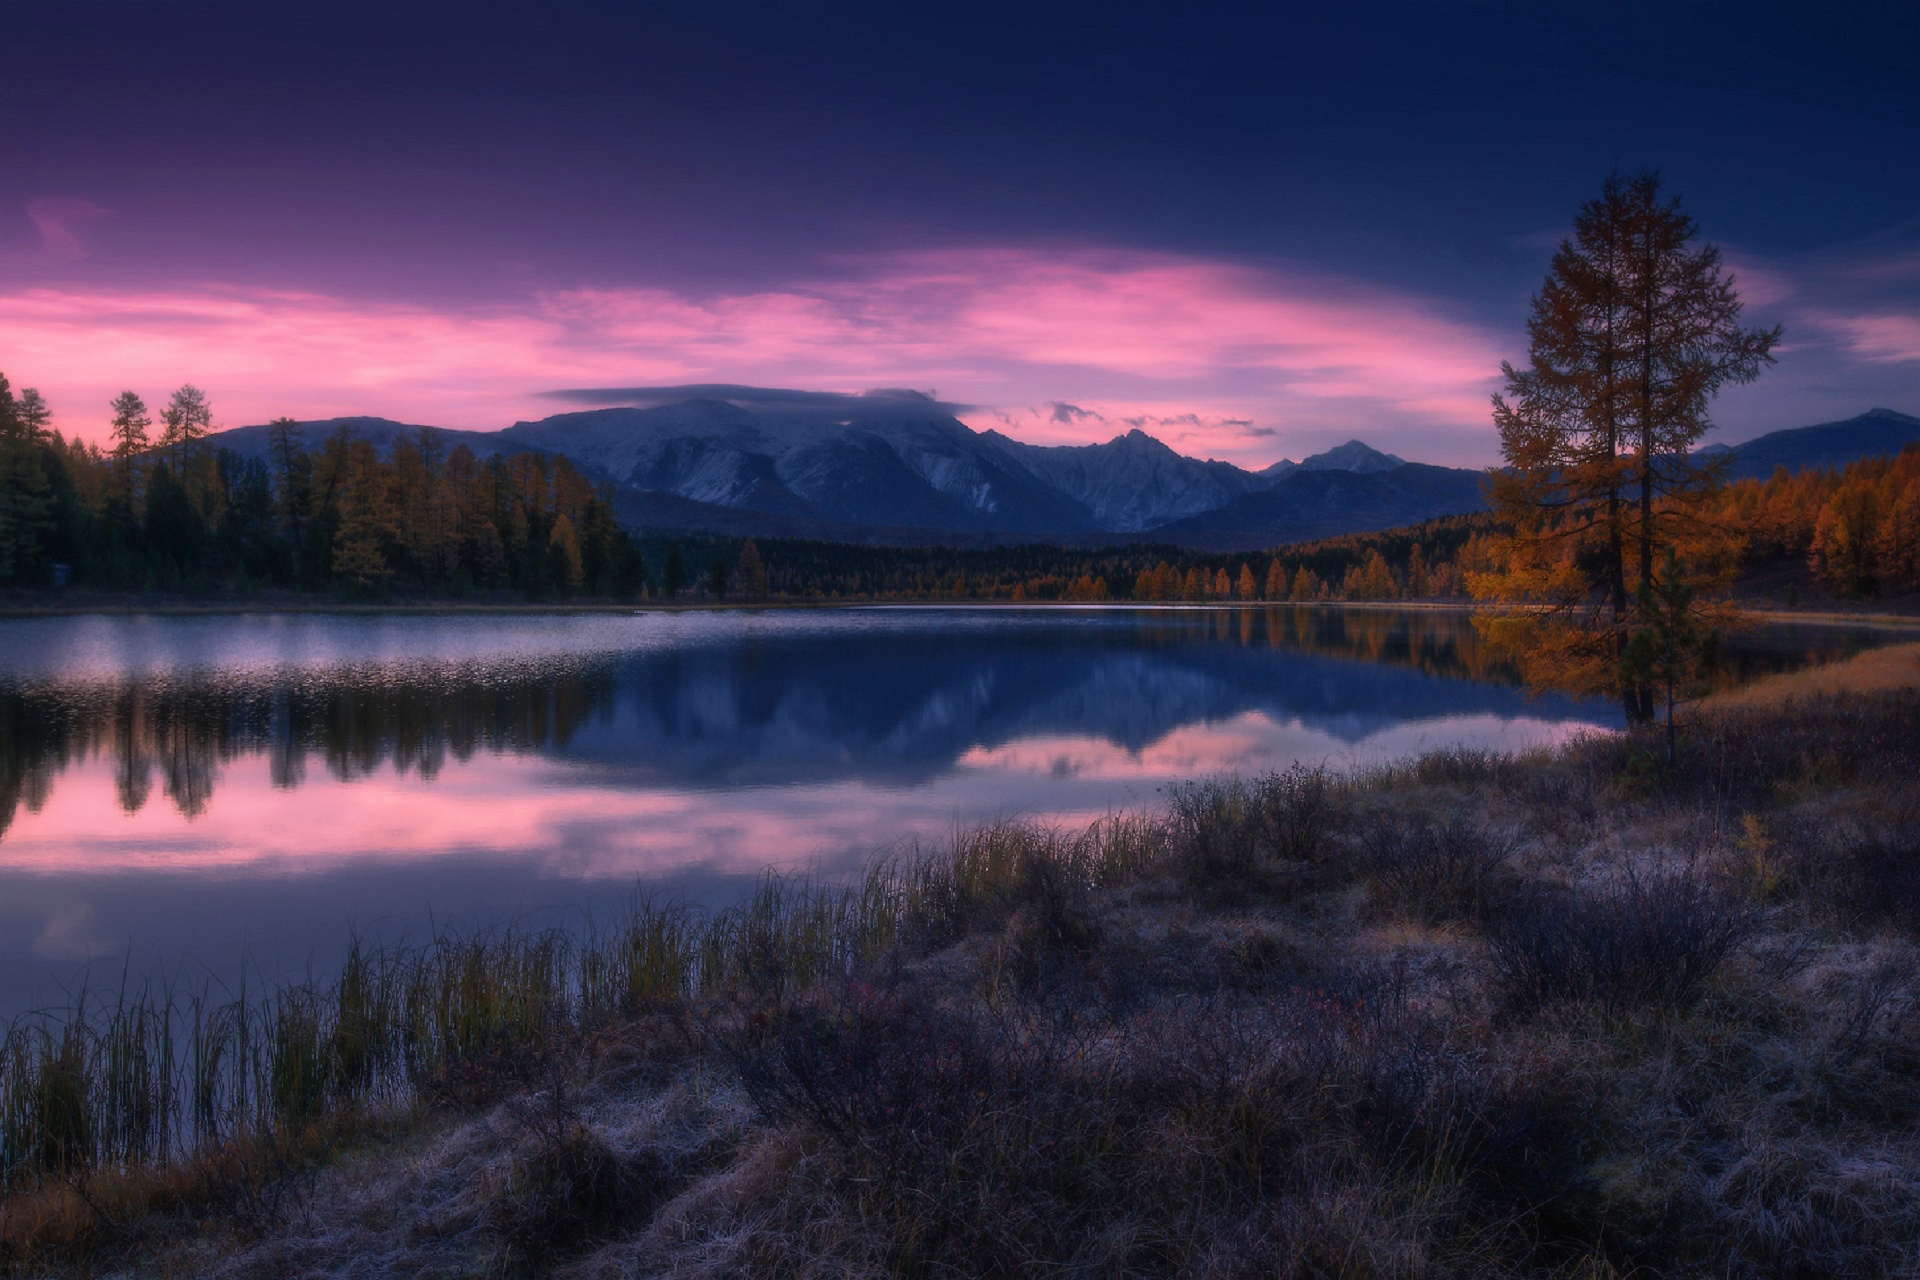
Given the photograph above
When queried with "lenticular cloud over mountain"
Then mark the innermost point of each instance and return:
(788, 403)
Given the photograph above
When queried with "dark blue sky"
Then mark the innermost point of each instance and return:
(439, 211)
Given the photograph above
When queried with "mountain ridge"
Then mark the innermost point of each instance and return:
(901, 468)
(1825, 444)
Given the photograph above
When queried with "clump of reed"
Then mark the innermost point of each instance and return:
(158, 1075)
(1230, 829)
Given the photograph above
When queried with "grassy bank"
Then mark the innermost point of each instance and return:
(1568, 1013)
(1890, 670)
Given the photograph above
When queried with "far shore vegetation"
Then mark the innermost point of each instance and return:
(1583, 1011)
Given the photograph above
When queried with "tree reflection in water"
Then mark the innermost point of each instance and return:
(355, 720)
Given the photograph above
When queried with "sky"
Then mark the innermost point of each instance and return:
(1253, 230)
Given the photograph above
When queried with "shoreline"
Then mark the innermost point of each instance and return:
(1877, 620)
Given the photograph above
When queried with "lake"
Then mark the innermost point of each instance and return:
(184, 796)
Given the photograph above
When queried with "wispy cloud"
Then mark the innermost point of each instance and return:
(1887, 338)
(58, 219)
(1852, 318)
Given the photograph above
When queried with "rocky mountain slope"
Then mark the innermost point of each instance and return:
(1321, 502)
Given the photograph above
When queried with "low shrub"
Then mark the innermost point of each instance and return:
(1300, 810)
(1640, 939)
(1880, 867)
(564, 1187)
(1434, 870)
(1847, 871)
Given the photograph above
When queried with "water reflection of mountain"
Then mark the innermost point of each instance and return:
(816, 712)
(770, 704)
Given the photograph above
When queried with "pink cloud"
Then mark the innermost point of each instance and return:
(1760, 284)
(1884, 338)
(1208, 346)
(1856, 297)
(1173, 318)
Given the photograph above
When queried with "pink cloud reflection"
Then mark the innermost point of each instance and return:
(571, 825)
(1133, 334)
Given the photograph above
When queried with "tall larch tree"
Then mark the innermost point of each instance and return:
(292, 475)
(1634, 330)
(1276, 579)
(185, 421)
(184, 426)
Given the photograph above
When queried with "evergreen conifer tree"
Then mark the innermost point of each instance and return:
(129, 434)
(752, 572)
(26, 498)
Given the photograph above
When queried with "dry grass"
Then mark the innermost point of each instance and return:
(1563, 1014)
(1877, 671)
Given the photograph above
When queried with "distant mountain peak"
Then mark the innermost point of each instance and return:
(1138, 439)
(1352, 456)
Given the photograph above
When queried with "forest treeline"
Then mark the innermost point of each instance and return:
(163, 508)
(1419, 562)
(176, 513)
(1858, 530)
(1855, 531)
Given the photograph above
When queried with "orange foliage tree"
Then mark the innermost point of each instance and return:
(1631, 335)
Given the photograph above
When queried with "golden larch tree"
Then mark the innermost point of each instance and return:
(1634, 331)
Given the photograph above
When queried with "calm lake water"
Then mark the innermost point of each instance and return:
(180, 795)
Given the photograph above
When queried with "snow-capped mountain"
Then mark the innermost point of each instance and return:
(1352, 456)
(899, 466)
(902, 462)
(1131, 483)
